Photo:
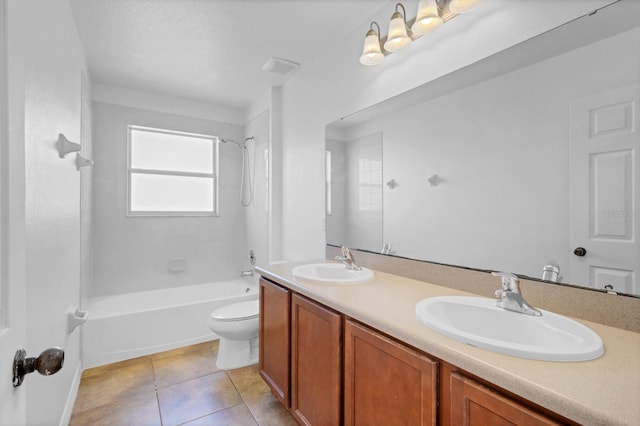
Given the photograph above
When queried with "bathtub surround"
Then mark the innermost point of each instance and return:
(134, 254)
(256, 215)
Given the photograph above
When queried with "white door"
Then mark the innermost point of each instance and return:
(605, 190)
(12, 235)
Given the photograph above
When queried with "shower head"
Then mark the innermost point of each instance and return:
(229, 141)
(250, 138)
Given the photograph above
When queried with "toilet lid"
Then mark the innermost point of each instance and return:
(237, 311)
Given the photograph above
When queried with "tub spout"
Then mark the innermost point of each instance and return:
(248, 273)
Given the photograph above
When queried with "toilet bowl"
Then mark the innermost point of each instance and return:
(237, 326)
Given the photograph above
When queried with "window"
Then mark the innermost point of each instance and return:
(172, 173)
(370, 184)
(327, 183)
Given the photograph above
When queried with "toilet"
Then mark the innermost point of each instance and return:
(237, 326)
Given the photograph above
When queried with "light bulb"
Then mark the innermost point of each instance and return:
(427, 19)
(397, 38)
(371, 53)
(462, 6)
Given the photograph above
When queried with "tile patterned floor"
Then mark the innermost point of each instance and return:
(178, 387)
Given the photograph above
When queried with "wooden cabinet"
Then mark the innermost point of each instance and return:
(474, 404)
(386, 383)
(374, 379)
(316, 363)
(275, 325)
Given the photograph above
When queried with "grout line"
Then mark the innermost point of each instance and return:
(156, 389)
(159, 410)
(244, 402)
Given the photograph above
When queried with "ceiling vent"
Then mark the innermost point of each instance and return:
(280, 66)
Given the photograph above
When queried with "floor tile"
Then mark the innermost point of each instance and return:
(116, 365)
(212, 344)
(180, 386)
(248, 382)
(181, 365)
(140, 410)
(268, 411)
(196, 398)
(113, 384)
(234, 416)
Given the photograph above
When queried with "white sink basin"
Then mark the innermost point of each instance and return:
(332, 273)
(477, 322)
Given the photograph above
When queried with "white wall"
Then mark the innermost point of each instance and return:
(54, 62)
(133, 253)
(336, 85)
(163, 103)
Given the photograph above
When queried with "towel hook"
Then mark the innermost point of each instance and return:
(65, 146)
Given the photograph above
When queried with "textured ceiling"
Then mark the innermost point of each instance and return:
(209, 50)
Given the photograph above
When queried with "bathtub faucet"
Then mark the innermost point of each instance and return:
(247, 273)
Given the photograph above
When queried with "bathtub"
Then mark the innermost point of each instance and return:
(129, 325)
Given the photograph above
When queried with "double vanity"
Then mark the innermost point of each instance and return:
(341, 346)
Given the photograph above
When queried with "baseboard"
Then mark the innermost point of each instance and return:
(71, 399)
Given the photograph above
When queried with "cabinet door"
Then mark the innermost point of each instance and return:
(474, 404)
(316, 333)
(386, 383)
(275, 361)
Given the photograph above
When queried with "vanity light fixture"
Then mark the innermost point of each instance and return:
(431, 15)
(428, 18)
(398, 37)
(462, 6)
(372, 52)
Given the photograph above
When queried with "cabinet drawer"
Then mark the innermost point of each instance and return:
(474, 404)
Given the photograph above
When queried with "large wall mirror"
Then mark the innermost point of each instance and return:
(526, 160)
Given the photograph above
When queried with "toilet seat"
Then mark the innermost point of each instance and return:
(237, 311)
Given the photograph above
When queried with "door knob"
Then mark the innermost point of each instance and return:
(580, 251)
(49, 362)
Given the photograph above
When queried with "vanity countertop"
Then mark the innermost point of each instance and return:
(602, 391)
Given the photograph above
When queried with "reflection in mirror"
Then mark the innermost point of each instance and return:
(354, 190)
(534, 158)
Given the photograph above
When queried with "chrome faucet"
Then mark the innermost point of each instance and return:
(347, 259)
(510, 298)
